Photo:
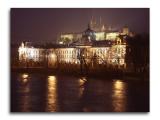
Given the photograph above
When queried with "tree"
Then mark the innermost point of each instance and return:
(138, 52)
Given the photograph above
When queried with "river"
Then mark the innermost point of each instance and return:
(56, 93)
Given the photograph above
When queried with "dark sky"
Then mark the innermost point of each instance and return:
(44, 24)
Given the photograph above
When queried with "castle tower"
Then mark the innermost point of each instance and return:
(93, 23)
(125, 30)
(103, 28)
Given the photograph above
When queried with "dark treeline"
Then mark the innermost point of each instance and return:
(138, 52)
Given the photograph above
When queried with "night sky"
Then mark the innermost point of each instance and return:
(44, 24)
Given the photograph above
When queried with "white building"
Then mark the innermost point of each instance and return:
(90, 48)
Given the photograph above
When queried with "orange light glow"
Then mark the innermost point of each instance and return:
(25, 76)
(51, 94)
(119, 96)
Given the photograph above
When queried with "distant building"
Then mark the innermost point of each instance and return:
(29, 53)
(101, 33)
(92, 47)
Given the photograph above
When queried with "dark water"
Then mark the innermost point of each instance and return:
(51, 93)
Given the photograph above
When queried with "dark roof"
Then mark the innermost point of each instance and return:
(103, 43)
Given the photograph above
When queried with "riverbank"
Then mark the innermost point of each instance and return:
(116, 74)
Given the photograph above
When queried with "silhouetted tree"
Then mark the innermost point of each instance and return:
(138, 52)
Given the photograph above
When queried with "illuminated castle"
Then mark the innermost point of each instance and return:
(93, 46)
(101, 33)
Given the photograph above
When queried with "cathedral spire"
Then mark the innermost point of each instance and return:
(92, 22)
(103, 28)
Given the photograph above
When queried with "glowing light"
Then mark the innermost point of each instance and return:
(22, 52)
(51, 94)
(25, 76)
(25, 80)
(113, 55)
(89, 38)
(29, 53)
(51, 78)
(53, 56)
(32, 54)
(103, 28)
(24, 88)
(125, 31)
(118, 85)
(67, 36)
(82, 81)
(100, 36)
(81, 84)
(61, 42)
(112, 36)
(119, 96)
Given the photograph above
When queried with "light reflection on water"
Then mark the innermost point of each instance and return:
(24, 78)
(81, 85)
(119, 96)
(25, 89)
(50, 93)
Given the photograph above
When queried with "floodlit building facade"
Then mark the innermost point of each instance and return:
(101, 33)
(29, 53)
(90, 47)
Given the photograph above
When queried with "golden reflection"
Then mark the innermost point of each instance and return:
(118, 85)
(119, 96)
(51, 78)
(81, 84)
(51, 94)
(82, 81)
(24, 78)
(24, 88)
